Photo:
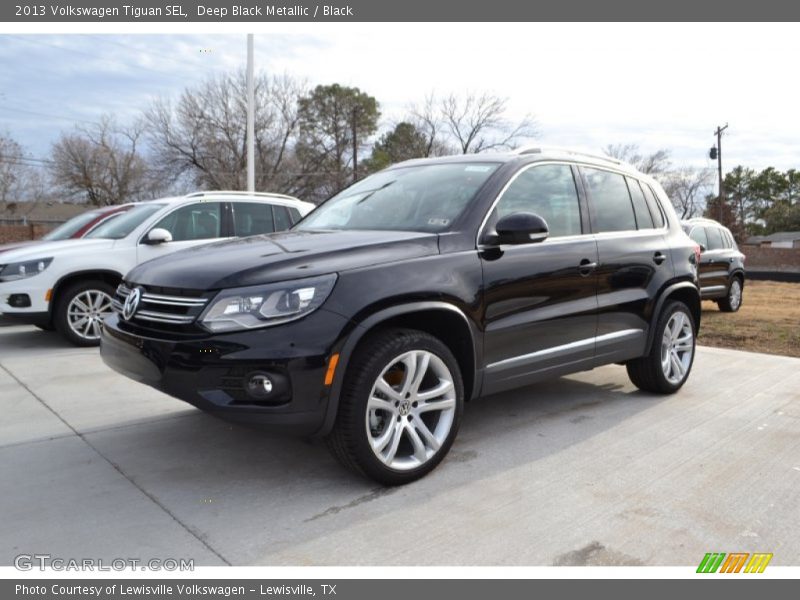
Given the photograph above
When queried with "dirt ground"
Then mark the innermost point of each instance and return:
(768, 321)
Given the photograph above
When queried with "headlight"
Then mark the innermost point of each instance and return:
(21, 270)
(265, 305)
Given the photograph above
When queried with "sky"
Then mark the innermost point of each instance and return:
(586, 85)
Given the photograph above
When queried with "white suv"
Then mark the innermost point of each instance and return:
(69, 285)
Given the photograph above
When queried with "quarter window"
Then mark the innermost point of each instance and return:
(199, 221)
(643, 218)
(548, 191)
(611, 200)
(655, 210)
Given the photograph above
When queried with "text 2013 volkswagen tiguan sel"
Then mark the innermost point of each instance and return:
(422, 286)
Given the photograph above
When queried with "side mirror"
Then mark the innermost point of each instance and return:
(157, 236)
(521, 228)
(702, 248)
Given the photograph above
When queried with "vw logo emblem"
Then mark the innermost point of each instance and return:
(131, 303)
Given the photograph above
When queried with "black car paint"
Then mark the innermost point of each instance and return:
(483, 294)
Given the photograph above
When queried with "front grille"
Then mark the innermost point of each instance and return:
(154, 307)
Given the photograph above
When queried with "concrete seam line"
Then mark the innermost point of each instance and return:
(118, 469)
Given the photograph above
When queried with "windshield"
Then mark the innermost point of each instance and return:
(421, 198)
(122, 226)
(71, 227)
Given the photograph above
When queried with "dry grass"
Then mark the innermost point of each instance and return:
(768, 321)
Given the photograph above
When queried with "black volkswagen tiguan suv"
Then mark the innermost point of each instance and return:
(432, 282)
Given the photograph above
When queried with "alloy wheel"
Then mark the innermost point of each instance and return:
(735, 294)
(86, 311)
(677, 347)
(410, 410)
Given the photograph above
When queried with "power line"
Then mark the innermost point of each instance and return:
(46, 115)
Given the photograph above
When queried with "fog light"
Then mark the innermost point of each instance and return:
(19, 300)
(259, 386)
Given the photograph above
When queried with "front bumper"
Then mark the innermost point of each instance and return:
(35, 288)
(212, 372)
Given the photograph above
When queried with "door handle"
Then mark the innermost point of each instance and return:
(586, 267)
(659, 258)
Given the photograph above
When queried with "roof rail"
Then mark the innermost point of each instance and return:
(239, 193)
(556, 149)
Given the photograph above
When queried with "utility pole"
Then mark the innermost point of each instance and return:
(355, 145)
(251, 122)
(721, 199)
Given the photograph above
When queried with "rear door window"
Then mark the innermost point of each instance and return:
(714, 238)
(612, 202)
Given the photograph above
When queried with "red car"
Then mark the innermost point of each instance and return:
(78, 226)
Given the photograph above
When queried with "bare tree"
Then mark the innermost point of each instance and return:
(203, 135)
(652, 164)
(426, 118)
(18, 176)
(468, 124)
(687, 189)
(103, 164)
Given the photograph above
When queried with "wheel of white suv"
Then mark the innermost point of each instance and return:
(400, 407)
(80, 310)
(665, 369)
(733, 300)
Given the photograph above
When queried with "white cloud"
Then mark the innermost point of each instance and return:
(659, 85)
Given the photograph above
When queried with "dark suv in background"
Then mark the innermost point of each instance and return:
(427, 284)
(721, 266)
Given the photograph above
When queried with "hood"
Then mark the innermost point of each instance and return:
(14, 246)
(43, 249)
(279, 257)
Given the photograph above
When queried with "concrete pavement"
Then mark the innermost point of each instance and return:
(583, 470)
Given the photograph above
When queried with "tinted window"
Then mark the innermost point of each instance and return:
(655, 210)
(199, 221)
(250, 218)
(418, 198)
(282, 220)
(699, 235)
(714, 238)
(612, 202)
(548, 191)
(643, 218)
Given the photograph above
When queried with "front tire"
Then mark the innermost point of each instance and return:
(80, 310)
(733, 300)
(400, 407)
(666, 367)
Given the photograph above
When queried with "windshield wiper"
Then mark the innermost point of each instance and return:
(372, 192)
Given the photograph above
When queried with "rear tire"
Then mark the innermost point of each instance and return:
(80, 309)
(733, 299)
(666, 367)
(400, 407)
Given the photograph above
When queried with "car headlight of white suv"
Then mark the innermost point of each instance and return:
(24, 269)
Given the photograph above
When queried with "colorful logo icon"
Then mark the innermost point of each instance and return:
(734, 562)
